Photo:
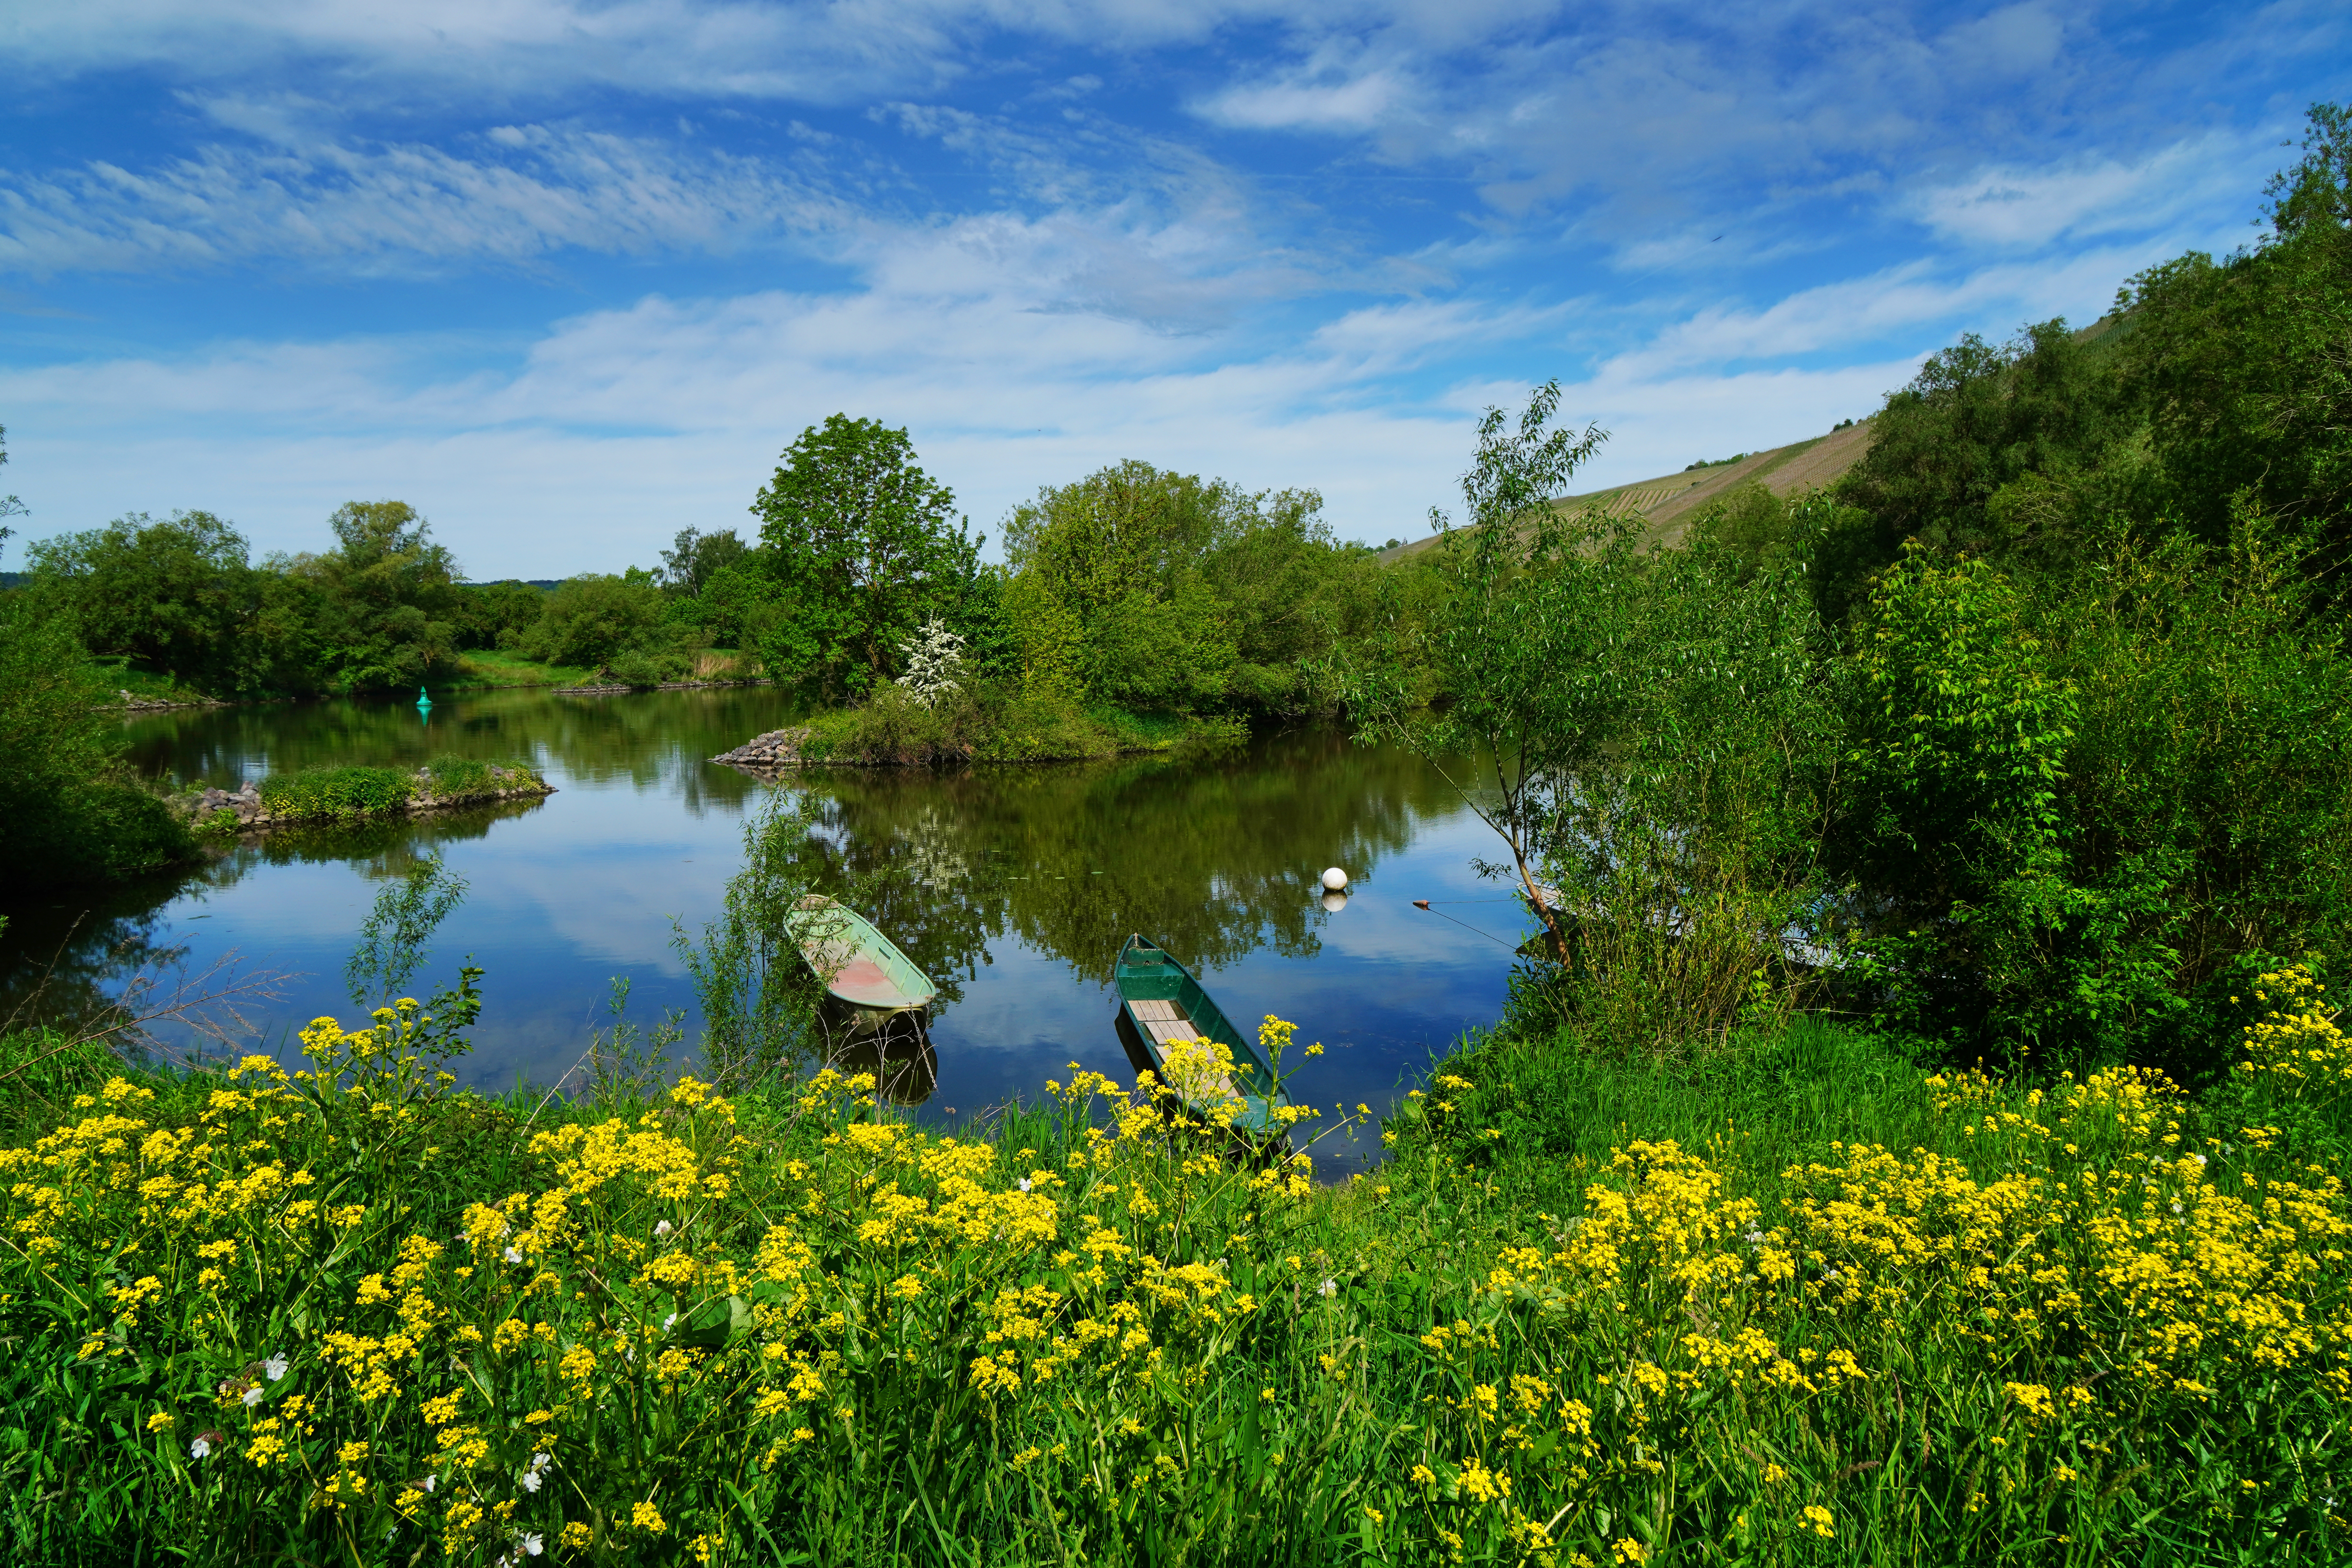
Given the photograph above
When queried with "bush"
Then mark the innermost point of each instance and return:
(450, 780)
(649, 667)
(69, 814)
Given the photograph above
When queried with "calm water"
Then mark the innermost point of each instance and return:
(1011, 887)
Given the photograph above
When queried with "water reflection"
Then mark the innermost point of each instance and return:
(1204, 854)
(1011, 887)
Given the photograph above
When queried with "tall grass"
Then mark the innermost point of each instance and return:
(335, 794)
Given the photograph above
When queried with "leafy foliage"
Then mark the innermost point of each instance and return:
(594, 619)
(70, 813)
(863, 545)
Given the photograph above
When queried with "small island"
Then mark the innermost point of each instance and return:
(357, 793)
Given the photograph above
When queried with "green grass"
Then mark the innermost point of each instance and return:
(483, 669)
(351, 794)
(335, 794)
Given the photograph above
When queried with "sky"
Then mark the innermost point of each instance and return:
(568, 275)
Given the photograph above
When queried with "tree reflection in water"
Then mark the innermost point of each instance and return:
(1212, 856)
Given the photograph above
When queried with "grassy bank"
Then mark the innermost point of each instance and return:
(891, 729)
(1801, 1304)
(113, 676)
(485, 669)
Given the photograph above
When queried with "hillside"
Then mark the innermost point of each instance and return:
(1667, 504)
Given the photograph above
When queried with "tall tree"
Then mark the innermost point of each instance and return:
(389, 603)
(864, 547)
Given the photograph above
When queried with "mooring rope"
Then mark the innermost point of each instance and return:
(1466, 925)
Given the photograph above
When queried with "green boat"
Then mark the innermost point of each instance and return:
(1159, 1002)
(861, 969)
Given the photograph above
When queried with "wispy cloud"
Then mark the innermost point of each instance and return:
(2025, 206)
(512, 193)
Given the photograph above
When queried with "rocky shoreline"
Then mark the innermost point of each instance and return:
(776, 749)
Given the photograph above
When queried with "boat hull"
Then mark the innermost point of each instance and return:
(1160, 1002)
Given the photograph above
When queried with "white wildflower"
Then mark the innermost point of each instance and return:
(1329, 1287)
(669, 1323)
(532, 1480)
(512, 1255)
(252, 1397)
(531, 1545)
(277, 1366)
(661, 1229)
(200, 1449)
(1025, 1183)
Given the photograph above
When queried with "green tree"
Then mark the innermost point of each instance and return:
(864, 546)
(1154, 589)
(1506, 740)
(493, 614)
(388, 605)
(694, 556)
(1976, 421)
(176, 596)
(596, 617)
(2242, 367)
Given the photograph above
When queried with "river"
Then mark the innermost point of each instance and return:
(1011, 887)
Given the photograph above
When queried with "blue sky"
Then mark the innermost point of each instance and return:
(567, 275)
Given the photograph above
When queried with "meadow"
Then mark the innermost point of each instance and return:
(1591, 1310)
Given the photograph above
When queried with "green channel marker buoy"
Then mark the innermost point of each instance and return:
(424, 708)
(422, 699)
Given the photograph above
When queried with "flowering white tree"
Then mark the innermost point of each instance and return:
(934, 663)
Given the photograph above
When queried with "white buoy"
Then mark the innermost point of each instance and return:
(1335, 880)
(1334, 902)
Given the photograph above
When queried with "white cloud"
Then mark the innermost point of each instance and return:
(1310, 100)
(619, 424)
(516, 193)
(2014, 206)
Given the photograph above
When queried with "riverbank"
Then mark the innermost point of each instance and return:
(357, 793)
(1737, 1314)
(890, 731)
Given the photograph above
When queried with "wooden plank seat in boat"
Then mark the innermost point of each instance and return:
(1156, 1012)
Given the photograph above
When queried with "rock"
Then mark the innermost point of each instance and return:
(776, 749)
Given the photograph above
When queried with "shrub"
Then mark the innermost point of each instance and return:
(70, 815)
